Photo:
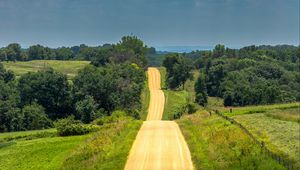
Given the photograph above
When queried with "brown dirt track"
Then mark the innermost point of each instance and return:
(159, 145)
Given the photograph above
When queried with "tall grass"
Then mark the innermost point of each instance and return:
(108, 149)
(217, 144)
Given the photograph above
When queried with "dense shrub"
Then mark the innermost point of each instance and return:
(254, 75)
(69, 126)
(116, 116)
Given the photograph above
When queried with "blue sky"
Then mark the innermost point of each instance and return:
(234, 23)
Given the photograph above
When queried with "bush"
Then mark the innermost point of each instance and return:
(70, 126)
(191, 108)
(116, 116)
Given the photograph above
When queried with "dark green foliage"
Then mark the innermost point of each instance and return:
(86, 109)
(38, 52)
(251, 75)
(13, 52)
(201, 91)
(179, 70)
(5, 75)
(10, 115)
(35, 117)
(112, 87)
(47, 88)
(69, 126)
(129, 49)
(64, 53)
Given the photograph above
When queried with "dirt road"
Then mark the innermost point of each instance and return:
(159, 145)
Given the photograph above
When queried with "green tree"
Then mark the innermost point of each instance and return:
(86, 109)
(35, 117)
(179, 70)
(64, 53)
(201, 91)
(13, 52)
(47, 88)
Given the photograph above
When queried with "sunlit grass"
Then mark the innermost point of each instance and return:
(70, 68)
(215, 143)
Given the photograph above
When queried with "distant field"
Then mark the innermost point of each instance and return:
(215, 143)
(70, 68)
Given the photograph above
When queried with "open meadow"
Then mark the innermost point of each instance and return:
(70, 68)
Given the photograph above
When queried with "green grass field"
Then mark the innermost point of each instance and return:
(43, 149)
(281, 136)
(44, 152)
(215, 143)
(70, 68)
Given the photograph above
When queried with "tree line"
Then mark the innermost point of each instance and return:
(102, 53)
(113, 81)
(248, 76)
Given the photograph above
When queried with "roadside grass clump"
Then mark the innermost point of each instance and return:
(107, 149)
(145, 100)
(70, 68)
(217, 144)
(69, 126)
(280, 136)
(115, 117)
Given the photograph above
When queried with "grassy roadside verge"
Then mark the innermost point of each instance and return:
(163, 74)
(108, 149)
(217, 144)
(175, 103)
(145, 100)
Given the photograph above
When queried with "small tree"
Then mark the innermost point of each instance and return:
(86, 109)
(35, 117)
(201, 92)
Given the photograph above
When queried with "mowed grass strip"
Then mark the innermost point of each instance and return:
(108, 149)
(43, 153)
(70, 68)
(217, 144)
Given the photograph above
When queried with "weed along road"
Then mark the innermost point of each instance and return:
(159, 145)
